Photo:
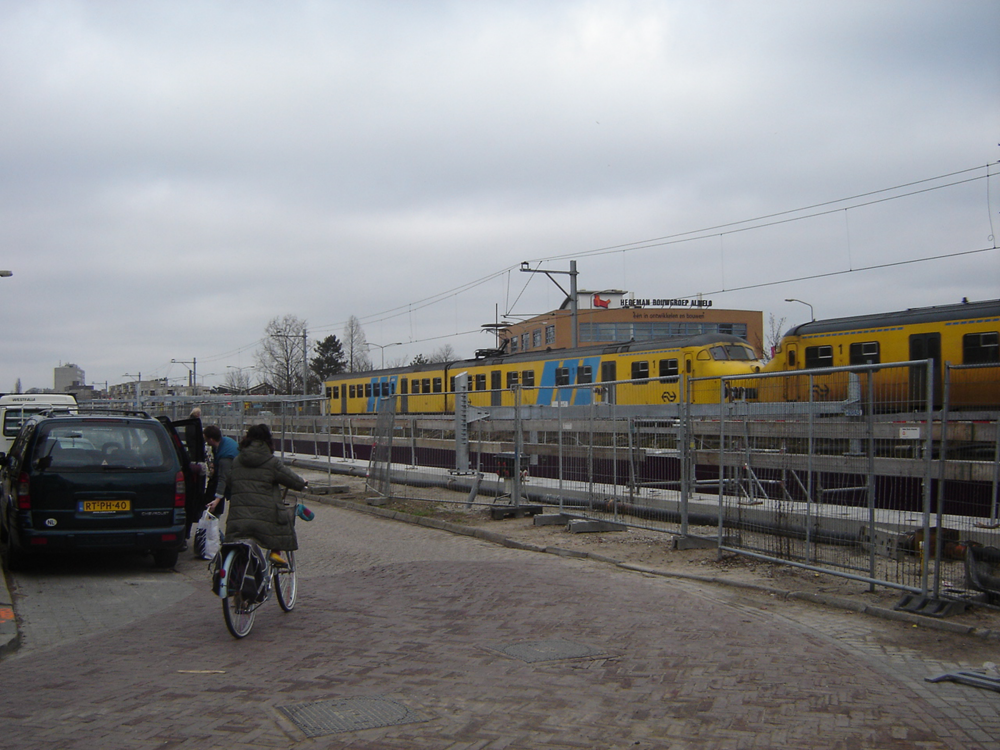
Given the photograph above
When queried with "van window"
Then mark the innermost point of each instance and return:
(89, 446)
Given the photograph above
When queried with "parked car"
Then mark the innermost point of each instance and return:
(76, 482)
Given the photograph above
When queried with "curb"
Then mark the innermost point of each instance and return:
(806, 596)
(10, 637)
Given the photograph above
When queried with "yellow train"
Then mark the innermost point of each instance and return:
(962, 334)
(564, 377)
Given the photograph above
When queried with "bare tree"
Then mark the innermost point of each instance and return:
(237, 380)
(774, 329)
(444, 353)
(279, 359)
(355, 347)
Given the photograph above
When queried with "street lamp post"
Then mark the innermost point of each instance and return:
(812, 315)
(383, 347)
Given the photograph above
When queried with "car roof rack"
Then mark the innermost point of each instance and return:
(113, 411)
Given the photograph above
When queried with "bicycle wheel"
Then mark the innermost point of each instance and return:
(239, 614)
(284, 583)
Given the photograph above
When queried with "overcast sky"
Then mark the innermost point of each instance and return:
(176, 174)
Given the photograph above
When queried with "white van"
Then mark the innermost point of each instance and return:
(16, 407)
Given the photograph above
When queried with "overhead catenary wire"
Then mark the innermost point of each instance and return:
(777, 218)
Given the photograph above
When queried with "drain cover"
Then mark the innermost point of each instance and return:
(551, 649)
(349, 715)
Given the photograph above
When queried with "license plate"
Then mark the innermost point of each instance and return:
(106, 506)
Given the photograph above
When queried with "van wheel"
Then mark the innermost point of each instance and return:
(165, 558)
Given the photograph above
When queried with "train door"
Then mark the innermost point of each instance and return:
(343, 398)
(792, 383)
(496, 381)
(925, 346)
(609, 374)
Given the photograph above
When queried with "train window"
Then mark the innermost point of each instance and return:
(438, 385)
(425, 385)
(415, 386)
(368, 390)
(352, 391)
(511, 379)
(528, 378)
(819, 356)
(980, 348)
(386, 389)
(791, 359)
(640, 370)
(562, 376)
(668, 368)
(739, 353)
(865, 353)
(705, 354)
(585, 374)
(481, 381)
(403, 386)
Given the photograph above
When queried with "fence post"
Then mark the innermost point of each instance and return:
(928, 451)
(870, 428)
(685, 452)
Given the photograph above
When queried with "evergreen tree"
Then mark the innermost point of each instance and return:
(330, 358)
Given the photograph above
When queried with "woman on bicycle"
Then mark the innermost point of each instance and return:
(257, 508)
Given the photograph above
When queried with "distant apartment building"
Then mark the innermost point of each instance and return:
(69, 377)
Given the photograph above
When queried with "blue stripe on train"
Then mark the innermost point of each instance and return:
(373, 400)
(549, 394)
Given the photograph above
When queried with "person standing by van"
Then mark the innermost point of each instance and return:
(224, 452)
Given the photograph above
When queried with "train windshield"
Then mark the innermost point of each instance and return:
(733, 352)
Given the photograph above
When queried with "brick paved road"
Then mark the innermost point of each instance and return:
(421, 618)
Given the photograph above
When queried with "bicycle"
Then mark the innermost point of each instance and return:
(243, 579)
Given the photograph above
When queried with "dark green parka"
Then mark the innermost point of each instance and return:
(256, 507)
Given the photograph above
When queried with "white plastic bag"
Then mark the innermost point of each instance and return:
(207, 536)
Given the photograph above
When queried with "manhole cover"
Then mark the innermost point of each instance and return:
(551, 649)
(349, 715)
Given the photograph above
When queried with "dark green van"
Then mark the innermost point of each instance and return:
(93, 481)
